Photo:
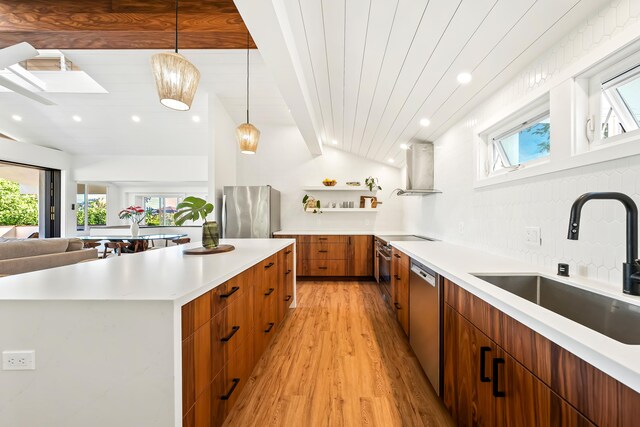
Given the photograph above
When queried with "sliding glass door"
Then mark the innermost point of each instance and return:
(91, 206)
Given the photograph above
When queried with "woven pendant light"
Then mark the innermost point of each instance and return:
(247, 134)
(176, 78)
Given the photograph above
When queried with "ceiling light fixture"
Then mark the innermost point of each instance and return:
(76, 118)
(196, 119)
(464, 78)
(176, 78)
(404, 147)
(247, 134)
(391, 160)
(17, 118)
(425, 122)
(135, 119)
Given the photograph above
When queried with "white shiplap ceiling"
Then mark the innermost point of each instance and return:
(106, 126)
(371, 69)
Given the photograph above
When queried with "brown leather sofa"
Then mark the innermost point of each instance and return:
(25, 255)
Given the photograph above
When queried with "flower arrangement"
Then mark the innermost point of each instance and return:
(135, 214)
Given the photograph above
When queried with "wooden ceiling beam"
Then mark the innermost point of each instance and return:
(122, 24)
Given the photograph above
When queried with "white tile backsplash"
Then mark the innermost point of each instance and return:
(494, 218)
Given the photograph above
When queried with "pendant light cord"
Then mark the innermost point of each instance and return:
(247, 75)
(176, 26)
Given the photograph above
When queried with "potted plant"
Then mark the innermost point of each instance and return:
(194, 208)
(135, 214)
(372, 183)
(310, 203)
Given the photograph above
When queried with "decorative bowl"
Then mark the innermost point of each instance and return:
(329, 182)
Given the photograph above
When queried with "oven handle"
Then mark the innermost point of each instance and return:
(379, 252)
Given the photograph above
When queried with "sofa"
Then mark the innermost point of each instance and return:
(25, 255)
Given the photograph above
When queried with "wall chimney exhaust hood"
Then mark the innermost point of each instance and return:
(419, 170)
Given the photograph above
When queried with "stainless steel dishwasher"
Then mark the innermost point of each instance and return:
(425, 320)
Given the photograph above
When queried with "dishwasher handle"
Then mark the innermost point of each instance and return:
(427, 277)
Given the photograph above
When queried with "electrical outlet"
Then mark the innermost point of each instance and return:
(532, 236)
(19, 360)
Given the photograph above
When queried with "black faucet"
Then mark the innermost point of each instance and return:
(630, 268)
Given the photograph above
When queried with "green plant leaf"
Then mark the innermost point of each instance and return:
(191, 209)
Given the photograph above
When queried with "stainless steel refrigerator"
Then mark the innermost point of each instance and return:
(250, 212)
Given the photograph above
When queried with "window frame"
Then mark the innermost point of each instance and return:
(524, 118)
(602, 80)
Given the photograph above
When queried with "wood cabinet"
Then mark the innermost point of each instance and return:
(333, 255)
(400, 270)
(285, 282)
(498, 372)
(225, 332)
(360, 256)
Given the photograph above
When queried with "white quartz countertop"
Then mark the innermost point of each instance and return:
(458, 263)
(158, 275)
(338, 233)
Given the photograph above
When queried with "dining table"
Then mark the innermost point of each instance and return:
(138, 243)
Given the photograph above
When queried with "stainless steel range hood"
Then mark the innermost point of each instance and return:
(419, 170)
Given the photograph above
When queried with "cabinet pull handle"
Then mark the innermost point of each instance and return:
(268, 265)
(396, 255)
(323, 251)
(396, 277)
(483, 377)
(397, 306)
(266, 331)
(231, 292)
(269, 292)
(496, 381)
(233, 332)
(322, 238)
(288, 271)
(287, 252)
(322, 268)
(288, 298)
(235, 381)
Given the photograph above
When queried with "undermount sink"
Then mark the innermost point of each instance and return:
(611, 317)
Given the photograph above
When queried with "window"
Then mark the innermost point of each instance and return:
(620, 104)
(91, 206)
(159, 210)
(527, 142)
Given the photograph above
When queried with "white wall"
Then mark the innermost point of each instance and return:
(284, 162)
(223, 152)
(494, 218)
(29, 154)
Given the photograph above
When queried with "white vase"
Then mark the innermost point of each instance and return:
(135, 229)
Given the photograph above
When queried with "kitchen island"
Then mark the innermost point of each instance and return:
(109, 335)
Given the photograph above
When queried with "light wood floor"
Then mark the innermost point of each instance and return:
(340, 359)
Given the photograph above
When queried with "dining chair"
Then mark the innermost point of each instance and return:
(181, 241)
(116, 247)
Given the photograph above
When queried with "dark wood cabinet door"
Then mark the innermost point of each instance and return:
(360, 256)
(467, 384)
(400, 270)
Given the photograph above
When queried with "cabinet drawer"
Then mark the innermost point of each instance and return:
(230, 329)
(231, 290)
(327, 239)
(265, 328)
(323, 251)
(228, 385)
(324, 268)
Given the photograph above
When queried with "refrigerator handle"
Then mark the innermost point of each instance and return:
(224, 215)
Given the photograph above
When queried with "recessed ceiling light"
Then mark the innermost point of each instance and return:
(334, 142)
(391, 160)
(17, 118)
(464, 78)
(135, 119)
(76, 118)
(425, 122)
(404, 146)
(196, 119)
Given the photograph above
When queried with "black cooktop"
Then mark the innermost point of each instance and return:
(401, 238)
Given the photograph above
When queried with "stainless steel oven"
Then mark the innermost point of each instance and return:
(383, 273)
